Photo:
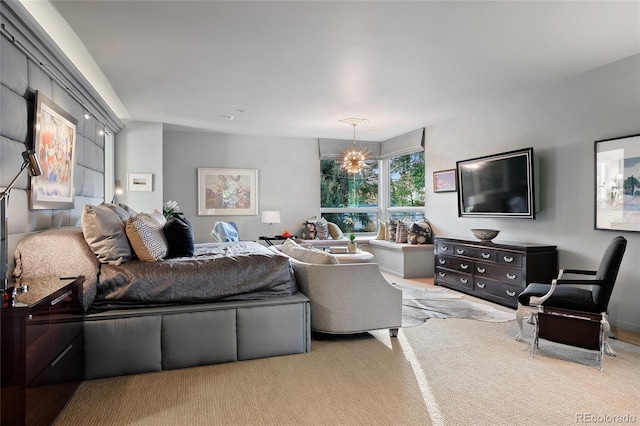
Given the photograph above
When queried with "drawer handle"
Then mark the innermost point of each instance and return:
(442, 274)
(61, 298)
(464, 280)
(59, 357)
(508, 259)
(442, 261)
(444, 248)
(464, 265)
(481, 270)
(512, 276)
(479, 284)
(486, 255)
(459, 251)
(510, 293)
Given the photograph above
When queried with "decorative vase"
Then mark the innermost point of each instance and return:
(352, 247)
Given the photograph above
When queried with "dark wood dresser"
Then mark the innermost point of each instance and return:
(42, 350)
(498, 272)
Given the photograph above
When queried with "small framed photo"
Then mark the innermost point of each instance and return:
(617, 184)
(140, 182)
(227, 192)
(444, 181)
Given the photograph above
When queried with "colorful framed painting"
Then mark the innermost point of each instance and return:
(227, 192)
(617, 184)
(140, 182)
(444, 180)
(55, 145)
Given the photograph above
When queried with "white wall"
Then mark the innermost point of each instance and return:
(561, 123)
(288, 177)
(138, 149)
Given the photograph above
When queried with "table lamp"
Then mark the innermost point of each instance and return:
(270, 217)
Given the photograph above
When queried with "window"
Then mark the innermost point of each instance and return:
(387, 188)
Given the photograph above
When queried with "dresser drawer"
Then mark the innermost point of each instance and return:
(486, 255)
(497, 289)
(462, 265)
(511, 276)
(444, 248)
(455, 278)
(508, 258)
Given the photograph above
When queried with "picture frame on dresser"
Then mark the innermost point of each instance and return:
(55, 145)
(617, 184)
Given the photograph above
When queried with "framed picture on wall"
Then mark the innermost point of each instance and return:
(617, 184)
(227, 192)
(140, 182)
(444, 180)
(55, 146)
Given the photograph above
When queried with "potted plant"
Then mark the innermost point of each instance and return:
(352, 246)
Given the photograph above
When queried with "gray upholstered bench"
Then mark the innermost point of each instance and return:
(404, 260)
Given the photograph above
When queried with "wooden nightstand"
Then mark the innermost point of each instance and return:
(42, 350)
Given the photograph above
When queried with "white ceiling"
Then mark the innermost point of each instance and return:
(296, 68)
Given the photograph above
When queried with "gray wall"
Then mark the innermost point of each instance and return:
(138, 149)
(561, 122)
(288, 177)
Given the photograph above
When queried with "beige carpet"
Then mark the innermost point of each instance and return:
(443, 372)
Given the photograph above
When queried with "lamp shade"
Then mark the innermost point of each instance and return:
(270, 216)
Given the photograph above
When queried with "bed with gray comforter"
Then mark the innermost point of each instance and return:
(229, 302)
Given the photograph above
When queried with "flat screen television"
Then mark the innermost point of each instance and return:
(499, 185)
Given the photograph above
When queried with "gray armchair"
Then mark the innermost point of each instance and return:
(349, 298)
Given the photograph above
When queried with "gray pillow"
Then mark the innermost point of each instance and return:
(296, 251)
(104, 232)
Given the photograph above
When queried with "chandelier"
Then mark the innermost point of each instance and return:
(354, 160)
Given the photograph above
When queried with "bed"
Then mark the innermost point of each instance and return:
(227, 302)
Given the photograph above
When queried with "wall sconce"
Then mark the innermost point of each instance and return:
(30, 161)
(270, 217)
(117, 190)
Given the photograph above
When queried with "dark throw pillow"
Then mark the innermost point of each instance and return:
(179, 237)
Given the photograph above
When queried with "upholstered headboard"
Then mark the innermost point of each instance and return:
(30, 62)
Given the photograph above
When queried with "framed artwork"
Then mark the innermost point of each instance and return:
(617, 184)
(55, 145)
(444, 181)
(140, 182)
(227, 192)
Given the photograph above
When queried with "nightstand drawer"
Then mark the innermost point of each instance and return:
(46, 341)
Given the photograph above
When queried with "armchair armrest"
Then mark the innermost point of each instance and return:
(537, 301)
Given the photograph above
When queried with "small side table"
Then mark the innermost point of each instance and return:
(269, 239)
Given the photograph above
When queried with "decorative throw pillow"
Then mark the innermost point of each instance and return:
(122, 213)
(382, 231)
(391, 229)
(296, 251)
(420, 233)
(401, 231)
(158, 216)
(128, 209)
(309, 229)
(104, 232)
(147, 237)
(179, 237)
(322, 229)
(335, 231)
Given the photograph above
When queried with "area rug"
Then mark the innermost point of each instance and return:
(420, 304)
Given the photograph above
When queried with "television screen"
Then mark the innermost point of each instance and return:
(499, 185)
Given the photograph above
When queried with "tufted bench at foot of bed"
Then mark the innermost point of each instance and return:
(132, 341)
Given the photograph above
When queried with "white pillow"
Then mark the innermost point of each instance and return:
(296, 251)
